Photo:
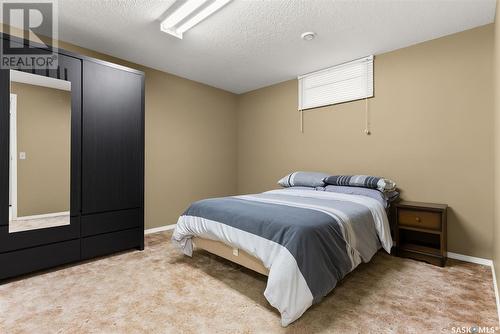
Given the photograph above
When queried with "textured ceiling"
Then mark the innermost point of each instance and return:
(254, 43)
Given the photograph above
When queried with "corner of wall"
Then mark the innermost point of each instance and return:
(496, 152)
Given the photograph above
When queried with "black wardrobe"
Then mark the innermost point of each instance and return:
(106, 206)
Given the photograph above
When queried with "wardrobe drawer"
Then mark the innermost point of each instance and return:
(32, 259)
(111, 242)
(32, 238)
(110, 222)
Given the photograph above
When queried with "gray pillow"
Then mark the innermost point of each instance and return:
(304, 179)
(365, 181)
(384, 198)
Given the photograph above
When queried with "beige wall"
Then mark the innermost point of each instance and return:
(190, 141)
(44, 134)
(496, 87)
(431, 128)
(431, 132)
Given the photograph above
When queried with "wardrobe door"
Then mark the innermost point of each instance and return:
(113, 138)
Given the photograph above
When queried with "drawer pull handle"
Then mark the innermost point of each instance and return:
(417, 219)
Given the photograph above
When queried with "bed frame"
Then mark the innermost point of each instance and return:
(232, 254)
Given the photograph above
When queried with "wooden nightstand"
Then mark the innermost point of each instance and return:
(421, 231)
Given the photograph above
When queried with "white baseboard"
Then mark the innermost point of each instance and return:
(159, 229)
(472, 259)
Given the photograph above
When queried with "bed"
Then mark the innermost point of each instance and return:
(303, 239)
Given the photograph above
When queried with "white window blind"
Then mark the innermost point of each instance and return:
(342, 83)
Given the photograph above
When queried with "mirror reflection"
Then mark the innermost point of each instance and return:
(40, 156)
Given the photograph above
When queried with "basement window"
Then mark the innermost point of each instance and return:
(338, 84)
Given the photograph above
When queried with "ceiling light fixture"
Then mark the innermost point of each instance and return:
(192, 10)
(308, 36)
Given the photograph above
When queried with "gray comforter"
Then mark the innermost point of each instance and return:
(309, 240)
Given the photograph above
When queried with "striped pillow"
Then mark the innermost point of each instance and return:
(364, 181)
(303, 179)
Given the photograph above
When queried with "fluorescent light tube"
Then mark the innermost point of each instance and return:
(181, 13)
(209, 10)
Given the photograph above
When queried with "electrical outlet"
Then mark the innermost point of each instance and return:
(235, 251)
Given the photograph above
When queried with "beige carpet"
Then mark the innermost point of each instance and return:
(160, 291)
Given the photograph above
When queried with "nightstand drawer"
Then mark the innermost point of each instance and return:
(419, 219)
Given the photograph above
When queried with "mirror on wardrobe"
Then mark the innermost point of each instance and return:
(40, 156)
